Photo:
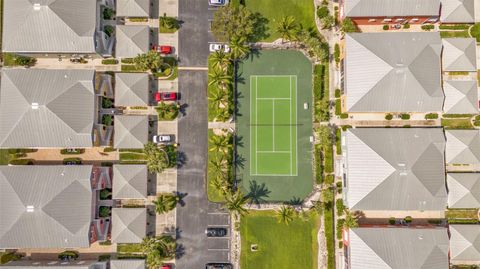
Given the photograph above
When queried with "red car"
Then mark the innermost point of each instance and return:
(165, 96)
(166, 266)
(163, 49)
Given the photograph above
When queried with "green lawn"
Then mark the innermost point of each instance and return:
(280, 246)
(457, 123)
(274, 10)
(132, 158)
(4, 156)
(448, 34)
(475, 31)
(129, 248)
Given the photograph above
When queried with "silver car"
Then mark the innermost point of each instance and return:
(218, 3)
(162, 139)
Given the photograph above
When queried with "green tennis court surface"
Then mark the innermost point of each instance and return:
(273, 127)
(273, 130)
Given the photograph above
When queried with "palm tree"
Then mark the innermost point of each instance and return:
(287, 28)
(157, 158)
(157, 249)
(221, 184)
(351, 220)
(221, 143)
(235, 202)
(148, 61)
(238, 49)
(217, 97)
(285, 214)
(166, 202)
(219, 166)
(219, 77)
(220, 59)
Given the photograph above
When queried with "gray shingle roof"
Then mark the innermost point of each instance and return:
(45, 206)
(393, 72)
(129, 225)
(395, 169)
(398, 248)
(463, 146)
(463, 190)
(131, 89)
(132, 40)
(131, 132)
(465, 244)
(459, 54)
(127, 264)
(390, 8)
(54, 26)
(461, 97)
(46, 108)
(133, 8)
(130, 181)
(458, 11)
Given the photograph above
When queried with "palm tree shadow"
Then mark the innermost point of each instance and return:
(295, 201)
(240, 161)
(257, 193)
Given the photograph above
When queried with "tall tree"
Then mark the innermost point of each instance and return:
(157, 158)
(351, 220)
(218, 97)
(220, 78)
(166, 202)
(149, 61)
(239, 48)
(221, 143)
(348, 26)
(285, 214)
(287, 28)
(235, 203)
(158, 249)
(220, 60)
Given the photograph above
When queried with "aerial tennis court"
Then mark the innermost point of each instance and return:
(274, 161)
(273, 130)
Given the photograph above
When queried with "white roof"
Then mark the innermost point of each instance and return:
(465, 244)
(459, 54)
(461, 97)
(463, 147)
(463, 190)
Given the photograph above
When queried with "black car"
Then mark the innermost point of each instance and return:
(216, 232)
(218, 266)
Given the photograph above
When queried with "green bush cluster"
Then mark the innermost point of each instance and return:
(109, 61)
(431, 116)
(406, 26)
(405, 116)
(389, 116)
(428, 27)
(386, 27)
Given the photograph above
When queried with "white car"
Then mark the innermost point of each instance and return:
(218, 46)
(217, 3)
(162, 139)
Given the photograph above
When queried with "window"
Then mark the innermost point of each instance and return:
(372, 20)
(387, 20)
(399, 20)
(415, 19)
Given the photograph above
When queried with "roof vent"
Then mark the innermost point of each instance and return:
(30, 208)
(420, 237)
(66, 76)
(401, 164)
(34, 105)
(36, 6)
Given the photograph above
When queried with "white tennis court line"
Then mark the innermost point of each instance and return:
(296, 129)
(274, 151)
(251, 120)
(273, 125)
(256, 122)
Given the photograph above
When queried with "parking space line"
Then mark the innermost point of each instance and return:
(217, 213)
(218, 249)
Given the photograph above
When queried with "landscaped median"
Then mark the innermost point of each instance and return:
(266, 243)
(220, 166)
(220, 87)
(459, 121)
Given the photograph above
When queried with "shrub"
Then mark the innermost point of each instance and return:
(138, 19)
(322, 12)
(476, 122)
(340, 207)
(336, 53)
(344, 116)
(408, 219)
(108, 14)
(389, 116)
(107, 102)
(338, 93)
(345, 127)
(105, 194)
(431, 116)
(107, 120)
(340, 244)
(108, 29)
(405, 116)
(329, 179)
(105, 243)
(21, 162)
(68, 254)
(338, 107)
(104, 211)
(406, 26)
(170, 23)
(386, 27)
(103, 258)
(167, 111)
(127, 61)
(392, 221)
(340, 223)
(428, 27)
(339, 187)
(348, 26)
(475, 31)
(9, 256)
(109, 61)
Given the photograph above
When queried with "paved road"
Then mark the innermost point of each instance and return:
(197, 214)
(194, 35)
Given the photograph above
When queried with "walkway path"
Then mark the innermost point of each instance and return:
(221, 125)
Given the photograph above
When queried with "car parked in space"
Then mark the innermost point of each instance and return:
(218, 3)
(166, 266)
(218, 266)
(218, 46)
(165, 96)
(163, 49)
(162, 139)
(216, 232)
